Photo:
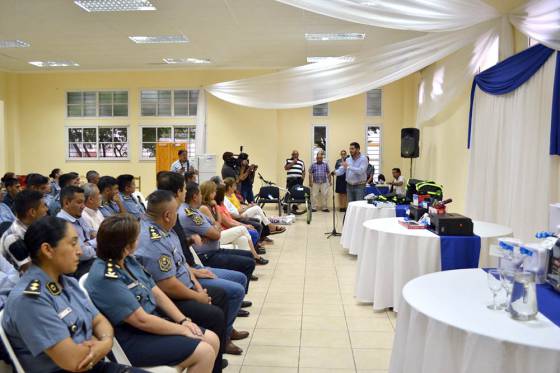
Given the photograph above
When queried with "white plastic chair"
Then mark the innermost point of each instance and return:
(8, 346)
(117, 350)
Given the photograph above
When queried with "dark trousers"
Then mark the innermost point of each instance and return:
(263, 230)
(291, 181)
(209, 316)
(236, 260)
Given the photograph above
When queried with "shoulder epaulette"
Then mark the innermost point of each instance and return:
(154, 233)
(110, 270)
(33, 288)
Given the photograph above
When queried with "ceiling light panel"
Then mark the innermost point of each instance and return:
(114, 5)
(335, 36)
(14, 44)
(187, 61)
(54, 63)
(164, 39)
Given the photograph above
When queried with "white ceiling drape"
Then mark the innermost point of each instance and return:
(539, 19)
(417, 15)
(328, 81)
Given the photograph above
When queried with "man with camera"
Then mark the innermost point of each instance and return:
(246, 176)
(230, 167)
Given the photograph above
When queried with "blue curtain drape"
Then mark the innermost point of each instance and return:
(510, 74)
(555, 125)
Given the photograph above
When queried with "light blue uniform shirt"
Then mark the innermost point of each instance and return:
(161, 254)
(356, 173)
(132, 205)
(194, 222)
(6, 213)
(109, 208)
(54, 205)
(39, 314)
(9, 277)
(118, 293)
(84, 230)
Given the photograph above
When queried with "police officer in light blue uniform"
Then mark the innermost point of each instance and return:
(160, 252)
(50, 322)
(109, 190)
(73, 199)
(127, 187)
(149, 327)
(6, 213)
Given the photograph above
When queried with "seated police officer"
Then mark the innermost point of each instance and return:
(127, 187)
(194, 222)
(111, 203)
(160, 252)
(72, 199)
(29, 207)
(151, 330)
(67, 179)
(51, 324)
(234, 283)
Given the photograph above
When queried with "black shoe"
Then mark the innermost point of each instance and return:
(260, 250)
(313, 210)
(246, 303)
(342, 210)
(243, 313)
(225, 363)
(325, 210)
(254, 278)
(261, 261)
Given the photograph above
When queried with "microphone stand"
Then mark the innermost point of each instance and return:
(333, 233)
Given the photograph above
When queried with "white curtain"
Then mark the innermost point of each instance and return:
(418, 15)
(539, 19)
(328, 81)
(449, 79)
(201, 123)
(512, 178)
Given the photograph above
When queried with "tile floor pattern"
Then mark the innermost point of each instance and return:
(304, 317)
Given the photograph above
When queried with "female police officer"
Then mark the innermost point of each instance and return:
(127, 295)
(50, 322)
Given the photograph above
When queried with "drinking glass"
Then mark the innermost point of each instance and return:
(495, 285)
(507, 277)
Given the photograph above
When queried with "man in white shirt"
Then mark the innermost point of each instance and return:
(397, 185)
(91, 213)
(182, 165)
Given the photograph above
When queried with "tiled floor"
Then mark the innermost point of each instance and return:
(304, 317)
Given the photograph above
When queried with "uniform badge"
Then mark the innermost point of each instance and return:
(33, 288)
(53, 288)
(139, 298)
(165, 263)
(189, 212)
(110, 270)
(154, 233)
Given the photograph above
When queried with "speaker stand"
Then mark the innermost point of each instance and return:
(333, 233)
(410, 168)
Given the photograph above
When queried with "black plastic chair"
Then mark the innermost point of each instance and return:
(269, 194)
(299, 194)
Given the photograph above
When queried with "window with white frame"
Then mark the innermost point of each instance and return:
(374, 102)
(321, 110)
(319, 141)
(97, 142)
(169, 103)
(152, 135)
(373, 147)
(97, 104)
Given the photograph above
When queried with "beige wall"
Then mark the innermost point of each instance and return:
(35, 112)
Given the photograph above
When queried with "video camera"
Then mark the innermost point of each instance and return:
(236, 160)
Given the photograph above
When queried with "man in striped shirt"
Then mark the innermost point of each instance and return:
(295, 169)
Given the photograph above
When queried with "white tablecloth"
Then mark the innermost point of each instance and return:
(392, 255)
(353, 230)
(444, 326)
(489, 234)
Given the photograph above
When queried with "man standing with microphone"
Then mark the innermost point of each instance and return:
(355, 167)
